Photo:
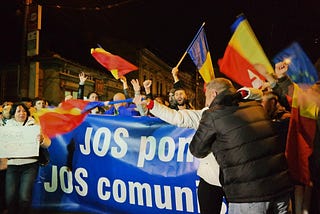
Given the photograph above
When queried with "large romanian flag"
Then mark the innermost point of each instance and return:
(66, 117)
(200, 55)
(301, 134)
(242, 53)
(114, 63)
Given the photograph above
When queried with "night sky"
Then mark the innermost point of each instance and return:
(166, 27)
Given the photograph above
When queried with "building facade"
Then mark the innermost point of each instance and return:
(153, 68)
(54, 77)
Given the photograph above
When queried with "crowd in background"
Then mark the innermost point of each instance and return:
(178, 110)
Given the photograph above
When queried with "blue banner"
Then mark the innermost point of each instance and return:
(120, 165)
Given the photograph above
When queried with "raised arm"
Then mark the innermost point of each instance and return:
(281, 69)
(284, 84)
(175, 72)
(147, 87)
(82, 79)
(138, 98)
(123, 79)
(177, 83)
(279, 83)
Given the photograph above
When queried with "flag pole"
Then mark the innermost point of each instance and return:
(194, 39)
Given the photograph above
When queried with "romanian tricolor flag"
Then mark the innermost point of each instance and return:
(115, 64)
(200, 55)
(65, 118)
(242, 53)
(301, 134)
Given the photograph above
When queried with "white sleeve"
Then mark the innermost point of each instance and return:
(181, 118)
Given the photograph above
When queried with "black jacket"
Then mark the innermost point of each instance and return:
(247, 148)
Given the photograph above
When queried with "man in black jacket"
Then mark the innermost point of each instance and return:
(254, 172)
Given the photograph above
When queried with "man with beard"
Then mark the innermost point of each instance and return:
(182, 100)
(180, 96)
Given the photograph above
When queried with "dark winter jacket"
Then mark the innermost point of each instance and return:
(247, 149)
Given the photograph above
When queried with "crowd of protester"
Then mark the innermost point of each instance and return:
(224, 106)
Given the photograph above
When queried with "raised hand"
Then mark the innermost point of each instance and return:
(281, 68)
(82, 77)
(123, 79)
(175, 72)
(135, 85)
(147, 86)
(147, 83)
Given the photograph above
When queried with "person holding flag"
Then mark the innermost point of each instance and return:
(198, 51)
(303, 141)
(301, 69)
(179, 93)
